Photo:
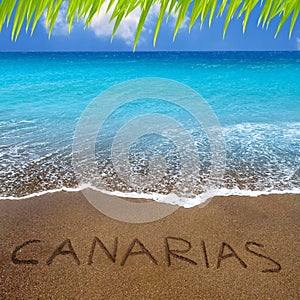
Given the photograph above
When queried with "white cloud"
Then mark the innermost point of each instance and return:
(101, 26)
(298, 43)
(61, 26)
(173, 19)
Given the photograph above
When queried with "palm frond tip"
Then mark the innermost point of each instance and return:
(30, 11)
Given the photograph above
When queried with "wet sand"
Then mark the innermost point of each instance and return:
(58, 246)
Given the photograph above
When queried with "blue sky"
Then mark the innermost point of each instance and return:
(97, 38)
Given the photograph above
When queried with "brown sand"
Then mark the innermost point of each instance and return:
(225, 225)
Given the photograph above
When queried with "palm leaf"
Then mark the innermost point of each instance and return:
(28, 12)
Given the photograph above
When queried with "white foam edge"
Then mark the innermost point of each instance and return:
(170, 198)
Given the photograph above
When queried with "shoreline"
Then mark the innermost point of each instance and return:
(223, 192)
(59, 246)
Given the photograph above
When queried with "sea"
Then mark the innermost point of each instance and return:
(255, 97)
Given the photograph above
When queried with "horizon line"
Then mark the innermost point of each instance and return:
(143, 51)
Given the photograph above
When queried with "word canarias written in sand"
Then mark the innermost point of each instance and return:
(176, 249)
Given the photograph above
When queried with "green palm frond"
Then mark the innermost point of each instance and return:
(30, 11)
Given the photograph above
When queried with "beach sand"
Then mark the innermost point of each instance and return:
(241, 248)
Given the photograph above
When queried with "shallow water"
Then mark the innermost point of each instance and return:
(256, 97)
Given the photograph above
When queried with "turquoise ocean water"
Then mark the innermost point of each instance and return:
(255, 95)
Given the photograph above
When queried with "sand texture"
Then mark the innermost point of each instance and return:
(234, 248)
